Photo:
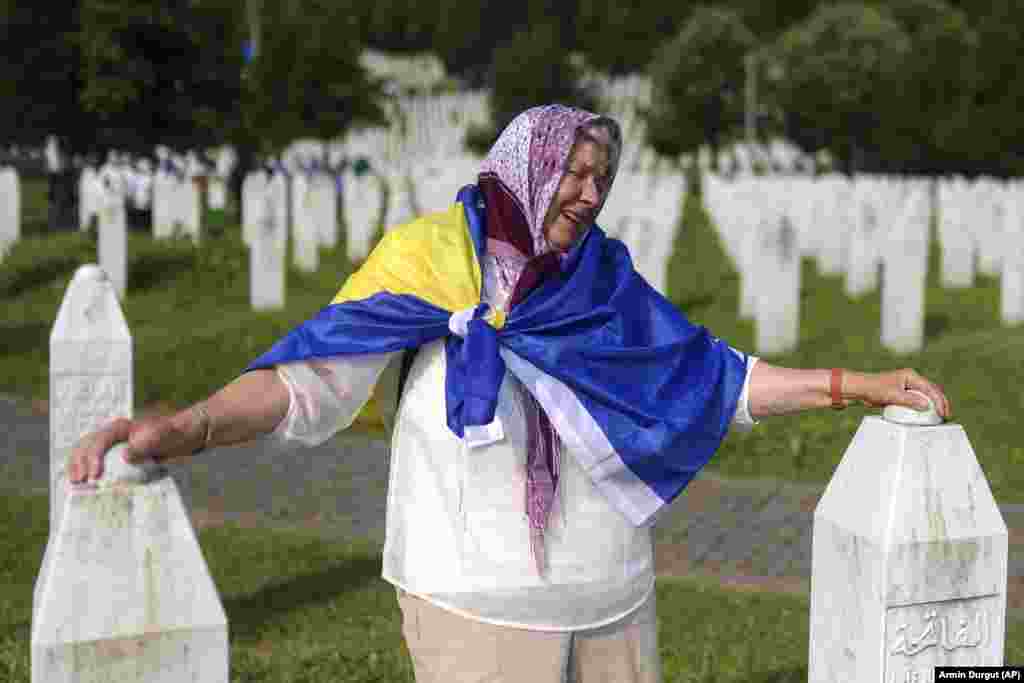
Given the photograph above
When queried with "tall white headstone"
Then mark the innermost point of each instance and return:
(191, 208)
(955, 236)
(112, 244)
(362, 205)
(325, 192)
(305, 237)
(838, 219)
(904, 276)
(990, 250)
(778, 305)
(401, 199)
(123, 592)
(862, 255)
(267, 250)
(253, 189)
(10, 207)
(909, 557)
(88, 194)
(1011, 290)
(90, 371)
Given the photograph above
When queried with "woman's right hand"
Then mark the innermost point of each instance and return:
(162, 438)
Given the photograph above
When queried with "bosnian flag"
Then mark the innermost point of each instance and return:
(641, 397)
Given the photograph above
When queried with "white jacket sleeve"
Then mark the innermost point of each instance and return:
(742, 419)
(325, 395)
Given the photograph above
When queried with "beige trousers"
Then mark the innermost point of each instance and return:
(448, 648)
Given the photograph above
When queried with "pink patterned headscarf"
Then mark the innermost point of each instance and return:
(528, 160)
(518, 178)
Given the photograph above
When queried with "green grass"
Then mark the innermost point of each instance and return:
(302, 609)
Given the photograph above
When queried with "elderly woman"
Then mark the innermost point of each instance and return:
(554, 404)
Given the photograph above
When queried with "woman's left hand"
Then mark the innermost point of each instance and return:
(879, 389)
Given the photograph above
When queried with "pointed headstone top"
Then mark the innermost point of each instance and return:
(90, 310)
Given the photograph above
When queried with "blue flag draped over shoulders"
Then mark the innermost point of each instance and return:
(640, 395)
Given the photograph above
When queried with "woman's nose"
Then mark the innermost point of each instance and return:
(590, 193)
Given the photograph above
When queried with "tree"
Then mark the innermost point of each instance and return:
(307, 79)
(998, 93)
(621, 38)
(40, 82)
(936, 88)
(697, 83)
(530, 69)
(839, 74)
(157, 72)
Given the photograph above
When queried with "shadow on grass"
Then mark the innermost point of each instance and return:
(21, 338)
(247, 614)
(936, 324)
(22, 280)
(797, 675)
(152, 268)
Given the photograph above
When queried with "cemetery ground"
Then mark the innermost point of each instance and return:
(305, 605)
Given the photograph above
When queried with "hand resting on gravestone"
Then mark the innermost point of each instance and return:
(247, 408)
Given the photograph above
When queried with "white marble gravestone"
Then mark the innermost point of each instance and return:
(253, 188)
(305, 237)
(112, 244)
(837, 218)
(1011, 289)
(862, 254)
(124, 593)
(88, 197)
(191, 208)
(325, 202)
(955, 236)
(361, 203)
(904, 276)
(778, 305)
(90, 370)
(909, 557)
(10, 207)
(164, 185)
(990, 250)
(267, 249)
(401, 199)
(217, 193)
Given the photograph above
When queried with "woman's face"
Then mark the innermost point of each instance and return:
(580, 196)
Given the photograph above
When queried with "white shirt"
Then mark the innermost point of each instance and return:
(456, 532)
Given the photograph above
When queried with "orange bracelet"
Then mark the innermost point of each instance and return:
(837, 383)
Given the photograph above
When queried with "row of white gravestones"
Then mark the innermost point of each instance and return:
(123, 592)
(10, 208)
(981, 227)
(758, 225)
(909, 557)
(751, 215)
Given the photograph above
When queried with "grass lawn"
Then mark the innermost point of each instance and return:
(301, 609)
